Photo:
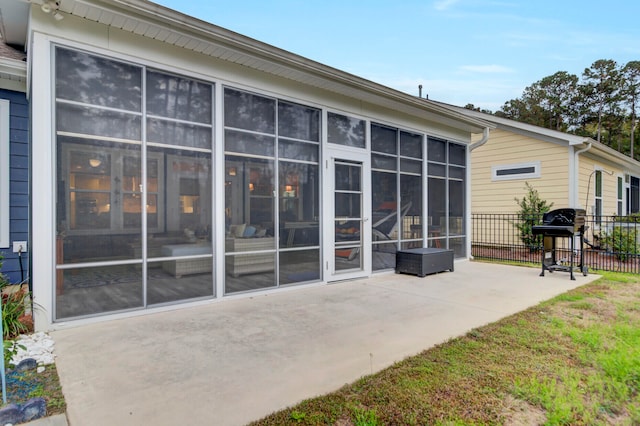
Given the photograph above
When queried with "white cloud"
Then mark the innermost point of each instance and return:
(487, 69)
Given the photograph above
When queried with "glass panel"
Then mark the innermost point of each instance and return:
(348, 258)
(298, 204)
(384, 221)
(247, 272)
(345, 130)
(384, 162)
(598, 183)
(347, 177)
(247, 111)
(411, 245)
(457, 154)
(411, 213)
(436, 169)
(437, 207)
(298, 150)
(247, 143)
(456, 208)
(99, 81)
(619, 188)
(385, 191)
(384, 139)
(456, 172)
(459, 247)
(410, 145)
(180, 278)
(411, 166)
(97, 122)
(348, 205)
(383, 256)
(172, 133)
(184, 207)
(131, 190)
(93, 205)
(249, 197)
(298, 121)
(178, 97)
(299, 266)
(437, 242)
(436, 150)
(88, 291)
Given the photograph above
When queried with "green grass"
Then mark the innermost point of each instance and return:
(572, 360)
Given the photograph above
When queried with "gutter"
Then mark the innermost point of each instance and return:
(587, 148)
(485, 138)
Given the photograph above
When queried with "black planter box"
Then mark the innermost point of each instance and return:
(424, 261)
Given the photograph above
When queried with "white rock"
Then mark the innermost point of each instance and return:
(38, 346)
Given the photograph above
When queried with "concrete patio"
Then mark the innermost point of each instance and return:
(235, 361)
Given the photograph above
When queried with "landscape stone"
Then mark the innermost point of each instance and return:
(10, 413)
(26, 365)
(34, 409)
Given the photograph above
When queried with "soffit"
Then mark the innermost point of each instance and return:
(150, 20)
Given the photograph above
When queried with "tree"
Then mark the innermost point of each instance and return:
(546, 103)
(601, 90)
(631, 96)
(559, 95)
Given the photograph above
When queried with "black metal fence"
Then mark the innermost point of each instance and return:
(611, 243)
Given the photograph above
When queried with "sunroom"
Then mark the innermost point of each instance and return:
(202, 165)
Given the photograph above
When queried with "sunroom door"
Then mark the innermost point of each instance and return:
(348, 248)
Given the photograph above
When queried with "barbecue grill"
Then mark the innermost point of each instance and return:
(562, 223)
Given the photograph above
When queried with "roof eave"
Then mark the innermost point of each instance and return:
(329, 78)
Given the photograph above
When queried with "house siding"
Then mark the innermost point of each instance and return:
(609, 185)
(489, 196)
(18, 184)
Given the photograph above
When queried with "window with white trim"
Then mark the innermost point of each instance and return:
(620, 194)
(4, 173)
(516, 171)
(598, 197)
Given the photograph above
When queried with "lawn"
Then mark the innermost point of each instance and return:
(572, 360)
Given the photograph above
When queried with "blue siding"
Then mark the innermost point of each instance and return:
(19, 183)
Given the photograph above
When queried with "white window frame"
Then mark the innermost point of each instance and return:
(598, 206)
(4, 173)
(495, 170)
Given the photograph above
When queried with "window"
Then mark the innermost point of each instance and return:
(396, 179)
(446, 170)
(4, 173)
(134, 184)
(598, 197)
(272, 203)
(344, 130)
(620, 192)
(516, 171)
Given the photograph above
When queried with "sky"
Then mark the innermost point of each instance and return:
(480, 52)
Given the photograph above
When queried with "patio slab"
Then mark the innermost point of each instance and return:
(235, 361)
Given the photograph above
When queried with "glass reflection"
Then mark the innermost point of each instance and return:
(344, 130)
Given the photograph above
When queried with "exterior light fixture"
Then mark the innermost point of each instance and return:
(49, 6)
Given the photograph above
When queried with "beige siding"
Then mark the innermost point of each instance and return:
(587, 165)
(503, 148)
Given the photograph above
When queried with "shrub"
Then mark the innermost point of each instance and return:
(14, 309)
(532, 207)
(622, 241)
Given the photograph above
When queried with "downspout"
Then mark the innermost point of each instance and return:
(576, 174)
(485, 138)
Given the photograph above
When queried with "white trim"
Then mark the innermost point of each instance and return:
(4, 172)
(505, 168)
